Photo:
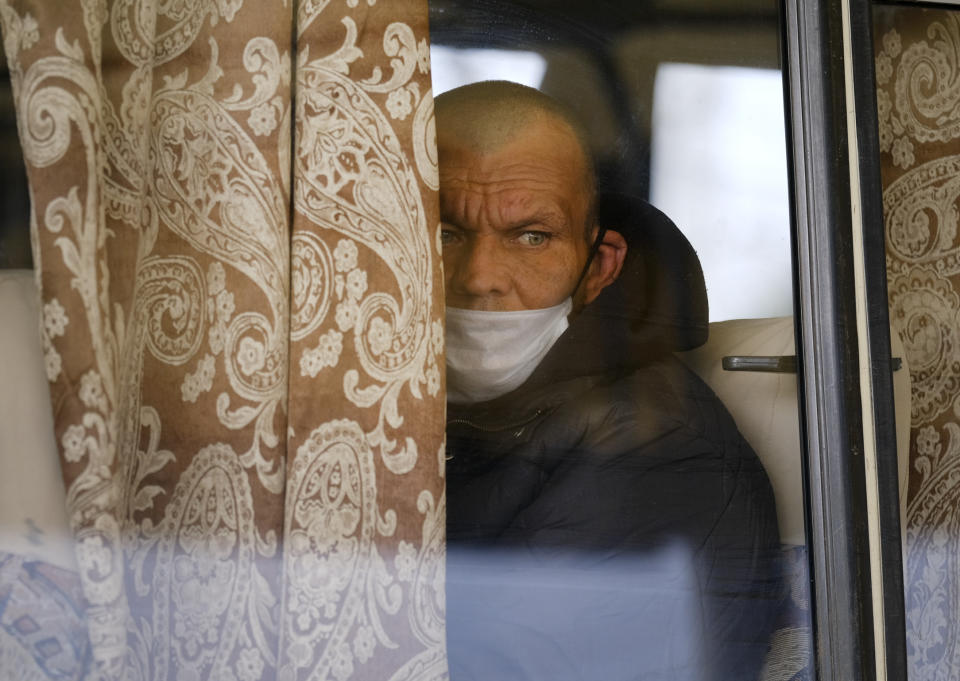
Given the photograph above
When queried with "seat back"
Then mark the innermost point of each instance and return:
(764, 405)
(33, 516)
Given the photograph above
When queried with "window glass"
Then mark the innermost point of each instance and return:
(630, 507)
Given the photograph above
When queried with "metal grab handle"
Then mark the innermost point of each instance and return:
(775, 364)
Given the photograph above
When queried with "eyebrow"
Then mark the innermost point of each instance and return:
(530, 212)
(544, 215)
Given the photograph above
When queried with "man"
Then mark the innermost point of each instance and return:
(605, 518)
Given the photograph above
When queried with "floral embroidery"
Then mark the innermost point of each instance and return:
(263, 119)
(326, 354)
(200, 381)
(55, 319)
(225, 306)
(342, 663)
(903, 152)
(356, 284)
(91, 391)
(345, 255)
(891, 43)
(73, 443)
(52, 364)
(346, 315)
(251, 355)
(423, 56)
(380, 336)
(406, 561)
(884, 68)
(433, 380)
(215, 338)
(928, 441)
(249, 665)
(436, 337)
(364, 644)
(216, 278)
(30, 32)
(93, 551)
(400, 103)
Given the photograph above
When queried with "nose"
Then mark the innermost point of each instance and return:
(478, 270)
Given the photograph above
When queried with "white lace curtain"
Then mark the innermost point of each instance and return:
(234, 225)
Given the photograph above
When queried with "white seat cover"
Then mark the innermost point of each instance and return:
(764, 405)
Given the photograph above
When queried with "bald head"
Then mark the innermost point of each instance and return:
(488, 115)
(484, 117)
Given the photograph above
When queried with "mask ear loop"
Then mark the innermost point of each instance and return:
(590, 256)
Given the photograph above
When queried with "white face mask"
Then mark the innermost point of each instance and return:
(491, 353)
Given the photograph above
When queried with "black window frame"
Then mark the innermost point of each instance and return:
(829, 68)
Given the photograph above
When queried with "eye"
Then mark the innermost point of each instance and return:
(447, 236)
(533, 238)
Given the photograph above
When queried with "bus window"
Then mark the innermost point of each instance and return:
(579, 499)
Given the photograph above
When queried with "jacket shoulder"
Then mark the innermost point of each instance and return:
(656, 406)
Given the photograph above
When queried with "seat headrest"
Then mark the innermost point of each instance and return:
(661, 290)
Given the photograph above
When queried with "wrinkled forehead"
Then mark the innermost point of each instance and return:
(542, 151)
(524, 180)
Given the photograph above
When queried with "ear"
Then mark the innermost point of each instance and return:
(606, 265)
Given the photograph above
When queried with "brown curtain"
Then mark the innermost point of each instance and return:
(234, 226)
(918, 98)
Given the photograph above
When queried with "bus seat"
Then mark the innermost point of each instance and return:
(43, 630)
(764, 405)
(33, 516)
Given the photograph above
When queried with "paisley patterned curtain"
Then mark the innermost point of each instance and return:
(918, 99)
(234, 230)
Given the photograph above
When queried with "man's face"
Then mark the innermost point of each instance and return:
(513, 220)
